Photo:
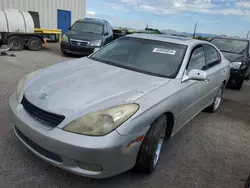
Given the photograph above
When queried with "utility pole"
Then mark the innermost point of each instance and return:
(195, 30)
(248, 34)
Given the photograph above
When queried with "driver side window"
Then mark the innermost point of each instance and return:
(197, 60)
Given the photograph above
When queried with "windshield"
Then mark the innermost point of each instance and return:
(142, 55)
(231, 45)
(88, 27)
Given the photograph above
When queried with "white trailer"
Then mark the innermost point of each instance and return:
(17, 30)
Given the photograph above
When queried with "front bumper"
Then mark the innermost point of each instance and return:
(75, 153)
(76, 49)
(236, 76)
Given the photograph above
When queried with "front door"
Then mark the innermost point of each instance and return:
(63, 20)
(192, 92)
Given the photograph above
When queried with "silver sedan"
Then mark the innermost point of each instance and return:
(104, 114)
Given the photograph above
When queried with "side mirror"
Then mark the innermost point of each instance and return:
(69, 28)
(96, 49)
(195, 74)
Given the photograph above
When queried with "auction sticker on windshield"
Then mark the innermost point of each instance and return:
(164, 51)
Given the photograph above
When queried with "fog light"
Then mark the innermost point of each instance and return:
(88, 166)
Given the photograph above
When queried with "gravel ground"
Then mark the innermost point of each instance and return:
(212, 151)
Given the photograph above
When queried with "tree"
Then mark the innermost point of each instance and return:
(155, 31)
(201, 38)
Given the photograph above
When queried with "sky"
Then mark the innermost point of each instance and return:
(229, 17)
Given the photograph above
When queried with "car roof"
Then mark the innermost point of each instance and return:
(166, 38)
(93, 20)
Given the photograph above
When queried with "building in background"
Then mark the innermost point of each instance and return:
(50, 14)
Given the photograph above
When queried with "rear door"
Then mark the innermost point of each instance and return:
(215, 72)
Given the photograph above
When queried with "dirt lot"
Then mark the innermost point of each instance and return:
(212, 151)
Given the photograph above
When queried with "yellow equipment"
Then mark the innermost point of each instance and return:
(50, 35)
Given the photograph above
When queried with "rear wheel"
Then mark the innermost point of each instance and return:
(217, 101)
(34, 43)
(151, 146)
(16, 43)
(248, 183)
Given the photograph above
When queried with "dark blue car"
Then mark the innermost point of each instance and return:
(86, 35)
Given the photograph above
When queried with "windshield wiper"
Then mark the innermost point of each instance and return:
(227, 51)
(241, 52)
(91, 32)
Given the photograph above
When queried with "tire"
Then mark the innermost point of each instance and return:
(65, 54)
(247, 185)
(217, 100)
(34, 44)
(16, 43)
(239, 85)
(151, 146)
(248, 77)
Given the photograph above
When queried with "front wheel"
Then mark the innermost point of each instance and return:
(247, 77)
(238, 86)
(65, 54)
(151, 146)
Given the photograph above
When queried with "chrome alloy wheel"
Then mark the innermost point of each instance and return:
(159, 145)
(218, 99)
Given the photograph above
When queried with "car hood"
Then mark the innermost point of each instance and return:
(83, 35)
(234, 57)
(85, 85)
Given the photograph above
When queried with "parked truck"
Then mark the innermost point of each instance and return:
(17, 31)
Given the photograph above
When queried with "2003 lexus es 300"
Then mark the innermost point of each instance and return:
(101, 115)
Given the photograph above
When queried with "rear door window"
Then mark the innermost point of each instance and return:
(106, 28)
(110, 29)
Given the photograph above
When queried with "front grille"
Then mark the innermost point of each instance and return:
(79, 42)
(37, 148)
(41, 115)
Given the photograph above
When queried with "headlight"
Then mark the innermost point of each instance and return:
(96, 43)
(102, 122)
(235, 65)
(65, 38)
(21, 85)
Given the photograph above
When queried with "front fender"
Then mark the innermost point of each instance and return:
(153, 105)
